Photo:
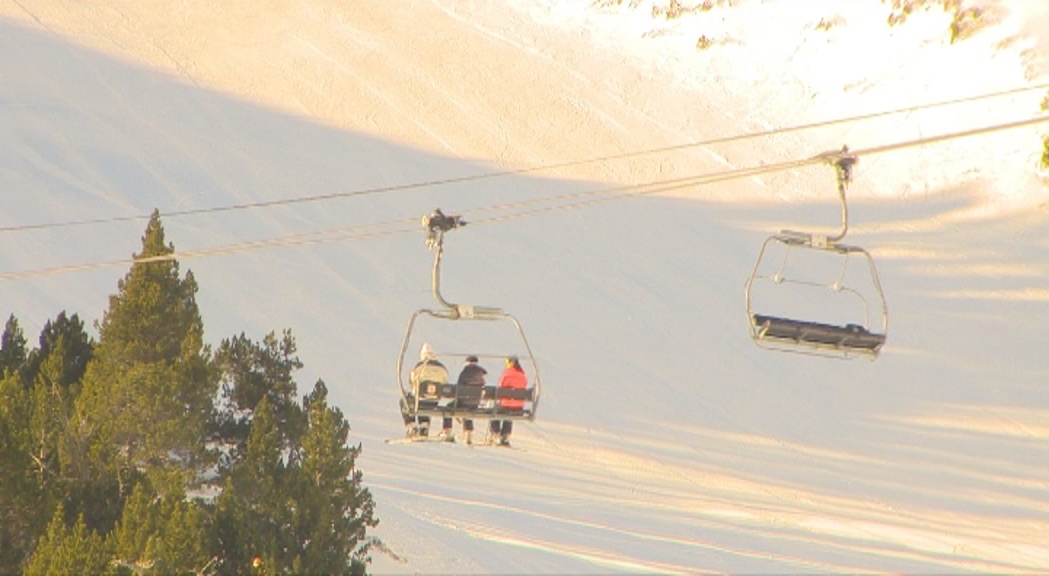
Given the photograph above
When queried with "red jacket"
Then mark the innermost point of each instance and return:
(512, 377)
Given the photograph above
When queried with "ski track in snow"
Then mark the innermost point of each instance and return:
(498, 533)
(717, 503)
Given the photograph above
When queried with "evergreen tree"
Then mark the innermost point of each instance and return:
(65, 336)
(263, 466)
(48, 411)
(18, 493)
(335, 509)
(180, 545)
(34, 422)
(148, 390)
(250, 372)
(34, 415)
(251, 510)
(114, 432)
(12, 348)
(52, 400)
(70, 551)
(161, 533)
(300, 508)
(135, 527)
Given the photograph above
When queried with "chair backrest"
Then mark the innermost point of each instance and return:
(468, 396)
(427, 378)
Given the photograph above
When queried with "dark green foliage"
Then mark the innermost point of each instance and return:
(12, 348)
(102, 444)
(251, 372)
(161, 531)
(148, 392)
(65, 338)
(298, 507)
(252, 509)
(65, 550)
(340, 510)
(34, 420)
(39, 417)
(19, 495)
(154, 311)
(97, 496)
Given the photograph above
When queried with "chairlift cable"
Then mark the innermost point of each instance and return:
(949, 136)
(519, 171)
(324, 237)
(657, 187)
(578, 200)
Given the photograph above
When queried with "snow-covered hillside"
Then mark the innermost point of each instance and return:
(667, 441)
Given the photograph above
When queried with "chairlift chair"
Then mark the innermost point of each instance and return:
(445, 399)
(857, 337)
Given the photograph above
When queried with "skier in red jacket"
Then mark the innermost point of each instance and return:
(513, 377)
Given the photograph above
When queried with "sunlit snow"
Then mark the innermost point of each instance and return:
(666, 440)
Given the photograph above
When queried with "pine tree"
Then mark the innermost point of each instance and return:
(65, 337)
(250, 372)
(48, 419)
(161, 533)
(35, 404)
(180, 545)
(148, 390)
(251, 510)
(12, 348)
(299, 507)
(335, 509)
(114, 432)
(18, 493)
(69, 551)
(136, 525)
(52, 392)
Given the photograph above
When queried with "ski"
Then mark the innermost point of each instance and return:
(496, 447)
(493, 445)
(436, 440)
(417, 440)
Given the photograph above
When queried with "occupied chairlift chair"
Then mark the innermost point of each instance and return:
(446, 399)
(825, 339)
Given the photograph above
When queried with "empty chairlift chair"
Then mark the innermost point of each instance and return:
(847, 313)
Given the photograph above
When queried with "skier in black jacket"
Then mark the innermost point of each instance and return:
(472, 376)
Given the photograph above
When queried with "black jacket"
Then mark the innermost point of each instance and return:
(472, 375)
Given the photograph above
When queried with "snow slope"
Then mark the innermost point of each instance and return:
(667, 441)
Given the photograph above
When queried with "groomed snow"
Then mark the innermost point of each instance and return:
(667, 441)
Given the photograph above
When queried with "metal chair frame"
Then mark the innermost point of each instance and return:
(790, 335)
(437, 224)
